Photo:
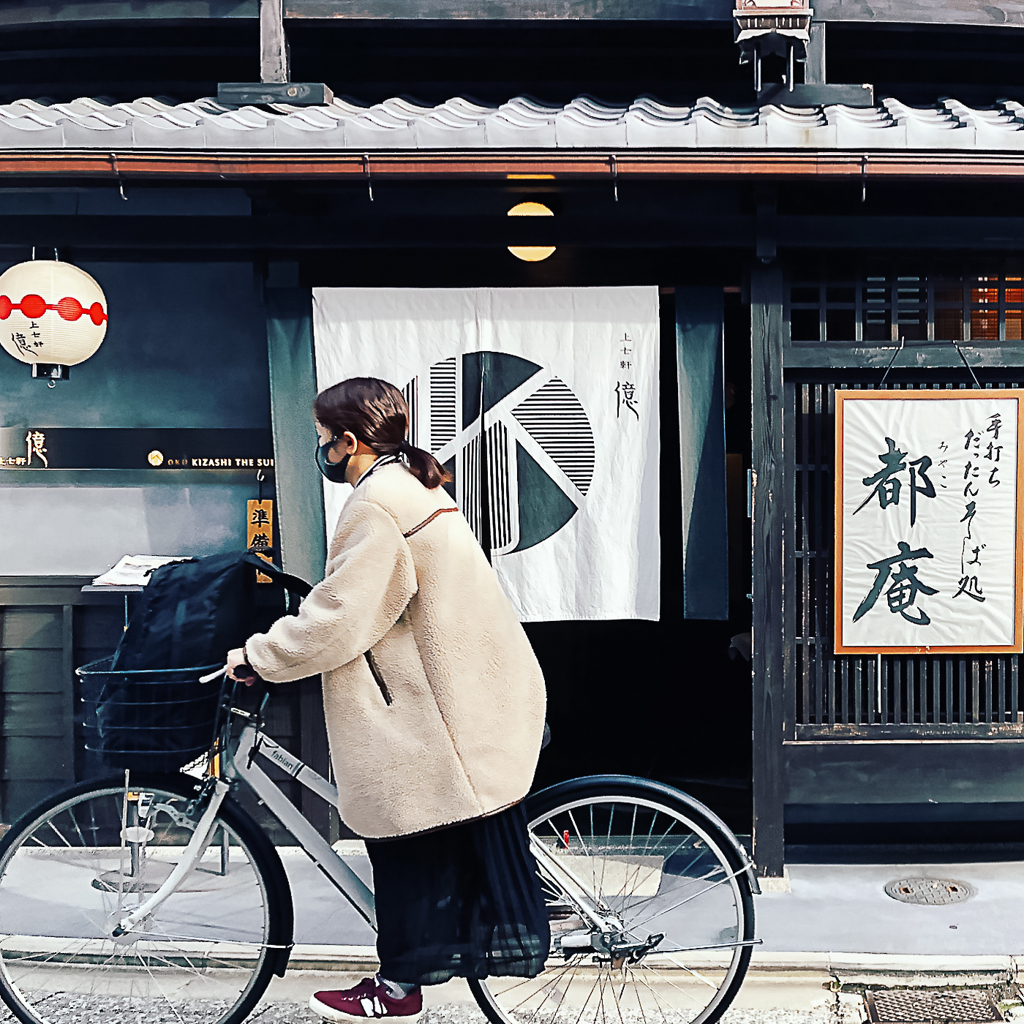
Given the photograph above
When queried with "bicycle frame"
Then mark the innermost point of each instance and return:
(238, 761)
(241, 763)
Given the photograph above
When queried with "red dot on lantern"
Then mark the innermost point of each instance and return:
(5, 307)
(69, 308)
(96, 314)
(33, 306)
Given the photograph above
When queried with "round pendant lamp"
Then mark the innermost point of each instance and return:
(52, 316)
(531, 253)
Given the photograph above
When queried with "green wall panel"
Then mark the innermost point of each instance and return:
(28, 671)
(31, 627)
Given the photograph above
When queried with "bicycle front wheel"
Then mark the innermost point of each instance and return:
(671, 889)
(71, 869)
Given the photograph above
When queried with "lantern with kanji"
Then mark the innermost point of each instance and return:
(52, 316)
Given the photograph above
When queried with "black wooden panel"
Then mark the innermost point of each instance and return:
(39, 628)
(86, 655)
(315, 752)
(99, 627)
(885, 772)
(36, 714)
(32, 758)
(770, 502)
(281, 718)
(34, 672)
(18, 796)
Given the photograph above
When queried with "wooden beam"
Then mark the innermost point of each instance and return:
(724, 164)
(766, 339)
(637, 225)
(24, 13)
(513, 10)
(376, 226)
(1003, 14)
(924, 771)
(918, 355)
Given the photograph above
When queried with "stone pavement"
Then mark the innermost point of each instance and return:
(827, 932)
(833, 925)
(841, 910)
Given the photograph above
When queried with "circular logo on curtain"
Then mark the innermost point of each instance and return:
(537, 461)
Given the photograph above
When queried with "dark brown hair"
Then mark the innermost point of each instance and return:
(377, 414)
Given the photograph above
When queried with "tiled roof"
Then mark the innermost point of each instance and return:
(521, 123)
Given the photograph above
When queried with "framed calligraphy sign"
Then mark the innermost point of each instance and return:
(929, 507)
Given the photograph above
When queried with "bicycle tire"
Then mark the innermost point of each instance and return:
(680, 853)
(205, 956)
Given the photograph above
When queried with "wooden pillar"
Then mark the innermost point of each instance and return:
(766, 327)
(814, 66)
(274, 55)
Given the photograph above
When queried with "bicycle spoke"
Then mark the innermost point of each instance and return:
(626, 864)
(672, 984)
(59, 834)
(682, 903)
(194, 957)
(173, 1008)
(636, 990)
(572, 978)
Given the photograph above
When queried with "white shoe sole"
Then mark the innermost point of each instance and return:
(330, 1013)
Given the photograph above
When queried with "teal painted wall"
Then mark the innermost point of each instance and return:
(186, 347)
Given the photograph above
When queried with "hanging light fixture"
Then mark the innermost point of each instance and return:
(52, 316)
(531, 253)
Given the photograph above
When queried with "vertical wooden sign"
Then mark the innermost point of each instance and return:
(259, 531)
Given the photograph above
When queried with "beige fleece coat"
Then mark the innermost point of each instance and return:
(434, 698)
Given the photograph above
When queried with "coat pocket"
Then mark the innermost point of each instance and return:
(377, 677)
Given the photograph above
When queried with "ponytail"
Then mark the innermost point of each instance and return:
(376, 413)
(424, 466)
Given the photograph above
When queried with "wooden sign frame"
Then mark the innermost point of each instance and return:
(842, 397)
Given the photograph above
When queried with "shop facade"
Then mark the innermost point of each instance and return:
(809, 240)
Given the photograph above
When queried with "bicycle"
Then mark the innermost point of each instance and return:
(148, 898)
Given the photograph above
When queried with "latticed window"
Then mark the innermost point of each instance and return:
(889, 695)
(883, 307)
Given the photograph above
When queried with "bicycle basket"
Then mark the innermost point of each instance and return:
(149, 720)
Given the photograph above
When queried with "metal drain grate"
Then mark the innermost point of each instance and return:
(935, 892)
(917, 1006)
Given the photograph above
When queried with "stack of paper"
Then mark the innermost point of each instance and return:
(134, 570)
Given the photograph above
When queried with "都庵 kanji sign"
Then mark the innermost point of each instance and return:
(928, 522)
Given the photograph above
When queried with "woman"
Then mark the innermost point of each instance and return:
(435, 712)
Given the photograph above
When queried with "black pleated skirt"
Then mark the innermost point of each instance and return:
(463, 901)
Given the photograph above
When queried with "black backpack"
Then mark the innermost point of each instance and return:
(145, 707)
(193, 612)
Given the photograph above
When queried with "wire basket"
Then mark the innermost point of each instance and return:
(149, 720)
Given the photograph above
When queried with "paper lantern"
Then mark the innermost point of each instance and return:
(52, 316)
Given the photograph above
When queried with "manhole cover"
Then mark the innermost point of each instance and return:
(916, 1006)
(933, 892)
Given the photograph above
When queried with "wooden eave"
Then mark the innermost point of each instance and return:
(437, 165)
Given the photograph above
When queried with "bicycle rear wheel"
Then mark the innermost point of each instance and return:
(675, 888)
(71, 868)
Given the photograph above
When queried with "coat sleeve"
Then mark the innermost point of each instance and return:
(371, 580)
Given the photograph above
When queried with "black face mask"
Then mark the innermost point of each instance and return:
(333, 471)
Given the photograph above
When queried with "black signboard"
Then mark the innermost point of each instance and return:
(145, 448)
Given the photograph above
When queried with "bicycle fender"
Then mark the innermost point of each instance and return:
(639, 786)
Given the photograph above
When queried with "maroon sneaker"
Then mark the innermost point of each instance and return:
(367, 999)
